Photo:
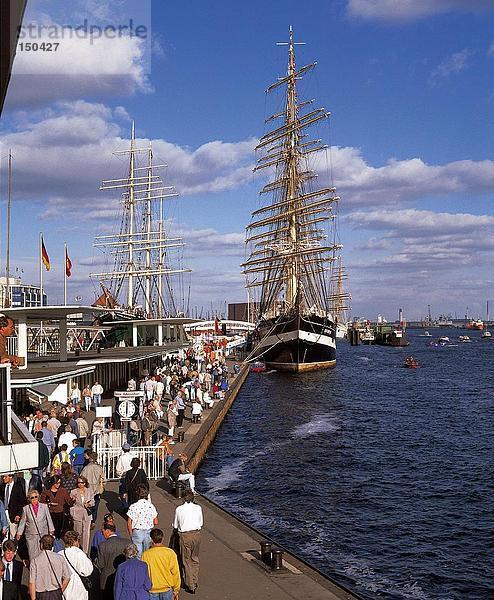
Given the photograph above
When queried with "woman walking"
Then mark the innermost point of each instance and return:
(171, 415)
(58, 500)
(68, 477)
(132, 580)
(35, 522)
(79, 564)
(88, 396)
(81, 511)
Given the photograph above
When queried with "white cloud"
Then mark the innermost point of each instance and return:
(452, 65)
(399, 181)
(419, 223)
(411, 10)
(91, 67)
(50, 150)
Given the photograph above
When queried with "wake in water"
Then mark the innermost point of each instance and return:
(319, 424)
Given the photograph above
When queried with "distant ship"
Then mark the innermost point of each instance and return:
(290, 253)
(475, 324)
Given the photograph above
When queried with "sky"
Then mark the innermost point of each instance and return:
(410, 89)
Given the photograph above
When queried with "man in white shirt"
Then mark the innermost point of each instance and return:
(97, 391)
(67, 437)
(189, 521)
(123, 463)
(150, 386)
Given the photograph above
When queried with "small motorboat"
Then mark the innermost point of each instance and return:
(425, 334)
(258, 367)
(443, 340)
(486, 335)
(411, 363)
(464, 339)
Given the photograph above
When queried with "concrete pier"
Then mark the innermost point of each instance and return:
(231, 566)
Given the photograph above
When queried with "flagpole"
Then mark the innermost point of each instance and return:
(65, 275)
(41, 268)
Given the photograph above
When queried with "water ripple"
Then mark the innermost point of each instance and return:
(382, 477)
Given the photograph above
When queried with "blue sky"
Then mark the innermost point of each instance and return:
(410, 88)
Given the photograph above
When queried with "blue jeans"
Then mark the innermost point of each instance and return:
(162, 595)
(97, 399)
(141, 539)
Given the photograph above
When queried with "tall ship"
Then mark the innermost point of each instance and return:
(144, 272)
(291, 241)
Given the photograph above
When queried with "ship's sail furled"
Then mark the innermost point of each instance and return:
(289, 240)
(140, 252)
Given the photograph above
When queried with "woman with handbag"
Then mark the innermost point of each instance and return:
(35, 522)
(82, 512)
(80, 566)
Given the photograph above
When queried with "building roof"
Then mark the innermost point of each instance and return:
(45, 370)
(49, 313)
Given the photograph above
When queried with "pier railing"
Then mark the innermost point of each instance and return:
(152, 461)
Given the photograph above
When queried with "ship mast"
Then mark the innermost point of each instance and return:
(287, 259)
(294, 178)
(139, 247)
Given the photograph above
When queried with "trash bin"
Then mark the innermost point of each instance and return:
(181, 436)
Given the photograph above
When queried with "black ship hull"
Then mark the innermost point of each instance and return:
(296, 343)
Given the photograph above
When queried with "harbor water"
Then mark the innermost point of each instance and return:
(378, 475)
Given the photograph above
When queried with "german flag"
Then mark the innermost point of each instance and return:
(44, 255)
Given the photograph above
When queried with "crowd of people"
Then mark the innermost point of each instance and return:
(48, 515)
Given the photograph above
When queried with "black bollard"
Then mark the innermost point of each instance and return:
(179, 489)
(77, 352)
(181, 436)
(277, 560)
(266, 552)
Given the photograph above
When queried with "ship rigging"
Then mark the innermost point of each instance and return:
(290, 252)
(141, 251)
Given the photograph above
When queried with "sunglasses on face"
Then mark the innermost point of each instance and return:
(33, 497)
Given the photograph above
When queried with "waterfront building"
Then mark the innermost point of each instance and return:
(20, 294)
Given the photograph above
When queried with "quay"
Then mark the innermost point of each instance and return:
(231, 566)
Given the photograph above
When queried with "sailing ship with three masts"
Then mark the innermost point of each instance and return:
(140, 253)
(292, 242)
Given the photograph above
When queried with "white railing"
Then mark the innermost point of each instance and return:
(108, 439)
(152, 461)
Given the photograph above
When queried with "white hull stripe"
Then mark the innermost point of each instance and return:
(289, 336)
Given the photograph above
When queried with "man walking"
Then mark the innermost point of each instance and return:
(8, 590)
(96, 478)
(13, 496)
(110, 555)
(188, 522)
(163, 568)
(49, 573)
(97, 391)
